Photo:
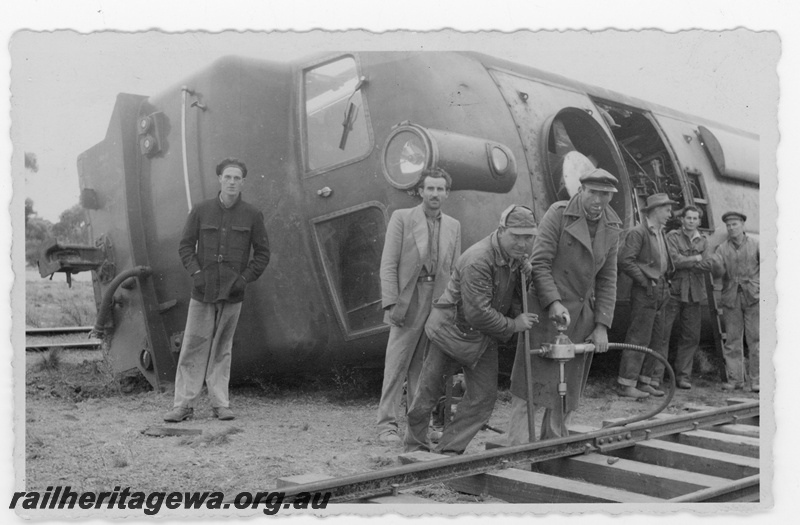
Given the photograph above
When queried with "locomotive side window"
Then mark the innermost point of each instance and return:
(350, 244)
(699, 198)
(336, 121)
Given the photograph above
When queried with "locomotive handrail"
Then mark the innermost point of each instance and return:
(184, 91)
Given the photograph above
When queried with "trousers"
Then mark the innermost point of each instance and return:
(473, 411)
(648, 318)
(688, 317)
(206, 353)
(741, 320)
(405, 353)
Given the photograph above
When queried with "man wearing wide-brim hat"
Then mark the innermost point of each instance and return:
(645, 259)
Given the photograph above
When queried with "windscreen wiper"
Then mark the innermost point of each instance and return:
(350, 113)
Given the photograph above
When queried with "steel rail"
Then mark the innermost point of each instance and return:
(58, 330)
(77, 345)
(383, 482)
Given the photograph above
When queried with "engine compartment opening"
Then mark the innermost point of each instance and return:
(575, 144)
(647, 158)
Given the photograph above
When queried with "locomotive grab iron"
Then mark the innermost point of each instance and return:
(334, 144)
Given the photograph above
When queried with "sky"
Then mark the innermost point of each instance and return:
(64, 83)
(62, 89)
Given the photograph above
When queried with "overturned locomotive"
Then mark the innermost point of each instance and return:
(333, 145)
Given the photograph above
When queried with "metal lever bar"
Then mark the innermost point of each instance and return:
(528, 367)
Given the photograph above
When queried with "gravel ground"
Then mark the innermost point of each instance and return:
(82, 430)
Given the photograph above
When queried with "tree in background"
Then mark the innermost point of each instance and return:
(36, 231)
(72, 228)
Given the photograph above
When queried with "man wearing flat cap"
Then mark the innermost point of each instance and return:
(645, 259)
(215, 250)
(479, 308)
(574, 284)
(737, 261)
(687, 247)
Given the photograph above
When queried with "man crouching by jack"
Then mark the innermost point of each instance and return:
(215, 249)
(464, 327)
(574, 283)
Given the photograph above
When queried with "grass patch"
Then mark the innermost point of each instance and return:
(53, 303)
(49, 362)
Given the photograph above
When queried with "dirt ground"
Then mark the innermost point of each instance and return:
(86, 431)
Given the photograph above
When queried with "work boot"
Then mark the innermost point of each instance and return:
(631, 391)
(653, 391)
(224, 413)
(178, 414)
(684, 384)
(732, 386)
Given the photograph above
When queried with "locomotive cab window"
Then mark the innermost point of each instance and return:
(337, 129)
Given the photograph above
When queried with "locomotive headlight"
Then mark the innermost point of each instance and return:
(499, 160)
(474, 163)
(406, 154)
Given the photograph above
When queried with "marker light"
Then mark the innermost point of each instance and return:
(499, 160)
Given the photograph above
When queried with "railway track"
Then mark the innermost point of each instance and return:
(40, 339)
(710, 455)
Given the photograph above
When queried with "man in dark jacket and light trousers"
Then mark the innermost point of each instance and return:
(215, 250)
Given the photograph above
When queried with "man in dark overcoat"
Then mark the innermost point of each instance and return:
(574, 283)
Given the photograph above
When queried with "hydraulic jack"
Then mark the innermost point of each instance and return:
(563, 350)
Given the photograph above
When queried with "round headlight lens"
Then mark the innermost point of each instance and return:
(404, 159)
(499, 160)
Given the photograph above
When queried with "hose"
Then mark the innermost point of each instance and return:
(667, 398)
(103, 323)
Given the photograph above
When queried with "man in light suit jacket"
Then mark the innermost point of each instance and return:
(421, 246)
